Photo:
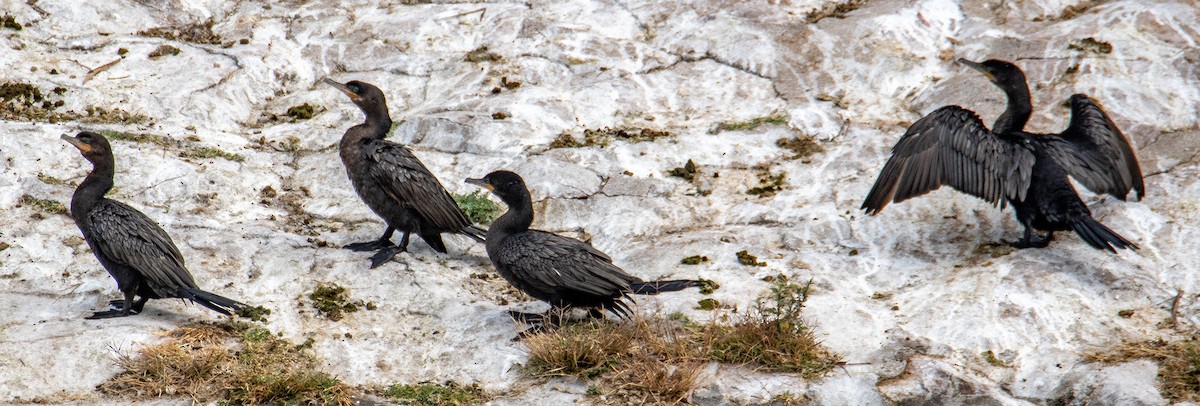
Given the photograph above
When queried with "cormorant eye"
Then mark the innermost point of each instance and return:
(354, 88)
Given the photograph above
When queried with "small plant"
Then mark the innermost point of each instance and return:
(748, 125)
(687, 171)
(478, 207)
(333, 301)
(565, 140)
(990, 357)
(302, 112)
(254, 313)
(9, 22)
(584, 349)
(801, 146)
(429, 394)
(768, 185)
(209, 153)
(43, 205)
(694, 260)
(143, 138)
(746, 259)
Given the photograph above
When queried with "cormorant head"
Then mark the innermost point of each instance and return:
(1003, 74)
(368, 97)
(93, 146)
(508, 186)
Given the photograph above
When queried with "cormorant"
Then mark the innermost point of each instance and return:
(134, 250)
(562, 271)
(952, 147)
(393, 182)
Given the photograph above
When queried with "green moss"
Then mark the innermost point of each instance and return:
(565, 140)
(745, 258)
(768, 185)
(302, 112)
(141, 138)
(254, 313)
(694, 260)
(23, 92)
(43, 205)
(9, 22)
(1091, 45)
(801, 146)
(708, 304)
(429, 394)
(687, 171)
(101, 115)
(200, 33)
(751, 124)
(333, 301)
(707, 287)
(50, 180)
(478, 208)
(209, 153)
(990, 357)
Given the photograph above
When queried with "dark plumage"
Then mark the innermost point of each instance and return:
(561, 271)
(393, 182)
(134, 250)
(1007, 165)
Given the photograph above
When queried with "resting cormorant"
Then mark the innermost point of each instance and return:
(562, 271)
(952, 147)
(134, 250)
(393, 182)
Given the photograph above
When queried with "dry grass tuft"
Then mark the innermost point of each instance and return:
(1178, 364)
(228, 363)
(661, 360)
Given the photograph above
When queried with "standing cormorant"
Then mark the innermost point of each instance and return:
(562, 271)
(393, 182)
(952, 147)
(134, 250)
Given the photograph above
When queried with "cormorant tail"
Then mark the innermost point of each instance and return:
(217, 303)
(656, 287)
(434, 240)
(475, 233)
(1099, 236)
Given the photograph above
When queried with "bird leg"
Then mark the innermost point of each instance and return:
(386, 253)
(1032, 239)
(383, 242)
(121, 308)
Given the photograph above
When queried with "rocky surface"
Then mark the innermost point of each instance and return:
(913, 298)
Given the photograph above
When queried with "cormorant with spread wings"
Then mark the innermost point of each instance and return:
(393, 182)
(1007, 165)
(134, 250)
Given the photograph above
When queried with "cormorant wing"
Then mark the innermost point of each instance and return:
(552, 262)
(952, 147)
(1095, 152)
(126, 236)
(406, 179)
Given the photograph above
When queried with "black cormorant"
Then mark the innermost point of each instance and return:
(562, 271)
(952, 147)
(393, 182)
(134, 250)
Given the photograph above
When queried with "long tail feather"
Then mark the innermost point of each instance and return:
(1099, 236)
(217, 303)
(656, 287)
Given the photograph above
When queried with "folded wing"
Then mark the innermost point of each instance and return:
(952, 147)
(407, 180)
(127, 237)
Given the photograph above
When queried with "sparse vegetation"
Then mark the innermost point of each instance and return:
(801, 146)
(746, 259)
(708, 304)
(1091, 45)
(429, 394)
(482, 54)
(50, 180)
(751, 124)
(254, 313)
(565, 140)
(163, 50)
(209, 153)
(478, 208)
(1178, 364)
(138, 138)
(43, 205)
(694, 260)
(333, 301)
(645, 361)
(833, 10)
(227, 363)
(7, 21)
(302, 112)
(768, 185)
(687, 171)
(990, 357)
(200, 33)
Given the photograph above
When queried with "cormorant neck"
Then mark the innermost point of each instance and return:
(518, 218)
(1020, 107)
(378, 121)
(93, 188)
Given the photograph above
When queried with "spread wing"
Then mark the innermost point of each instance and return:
(126, 236)
(952, 147)
(1095, 152)
(406, 179)
(552, 262)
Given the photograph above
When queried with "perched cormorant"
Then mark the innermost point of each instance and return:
(393, 182)
(562, 271)
(134, 250)
(952, 147)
